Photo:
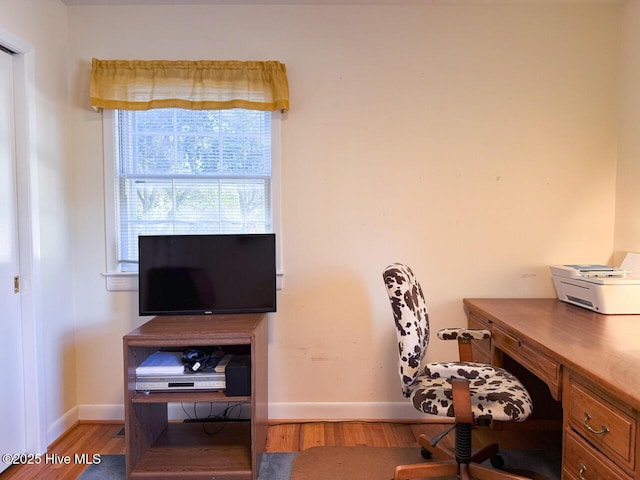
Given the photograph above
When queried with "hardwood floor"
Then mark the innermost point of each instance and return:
(294, 437)
(90, 438)
(103, 439)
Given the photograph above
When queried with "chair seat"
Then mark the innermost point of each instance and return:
(495, 393)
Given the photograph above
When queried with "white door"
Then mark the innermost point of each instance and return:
(12, 399)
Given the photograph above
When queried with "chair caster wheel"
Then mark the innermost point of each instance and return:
(497, 462)
(426, 454)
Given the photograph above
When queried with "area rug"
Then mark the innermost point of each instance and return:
(353, 463)
(274, 466)
(338, 463)
(377, 463)
(111, 467)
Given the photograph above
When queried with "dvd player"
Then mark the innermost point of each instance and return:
(183, 382)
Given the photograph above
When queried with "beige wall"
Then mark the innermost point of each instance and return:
(627, 230)
(476, 143)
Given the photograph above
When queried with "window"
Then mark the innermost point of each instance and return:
(187, 172)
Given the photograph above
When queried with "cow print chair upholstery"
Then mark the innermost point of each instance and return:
(471, 393)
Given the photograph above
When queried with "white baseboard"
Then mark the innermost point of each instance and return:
(175, 411)
(104, 413)
(290, 411)
(60, 426)
(396, 411)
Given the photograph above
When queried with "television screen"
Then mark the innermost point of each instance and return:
(207, 274)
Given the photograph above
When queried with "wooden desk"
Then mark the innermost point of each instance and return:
(589, 361)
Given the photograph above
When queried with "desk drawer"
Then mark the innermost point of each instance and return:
(602, 424)
(543, 367)
(582, 462)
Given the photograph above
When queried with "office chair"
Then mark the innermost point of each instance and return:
(472, 393)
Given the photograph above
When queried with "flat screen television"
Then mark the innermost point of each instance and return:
(206, 274)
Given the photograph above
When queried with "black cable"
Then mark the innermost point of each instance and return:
(223, 418)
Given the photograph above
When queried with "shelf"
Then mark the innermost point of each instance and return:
(161, 450)
(186, 397)
(198, 450)
(172, 331)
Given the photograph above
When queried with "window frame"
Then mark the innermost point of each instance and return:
(118, 280)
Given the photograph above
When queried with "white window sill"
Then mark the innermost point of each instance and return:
(121, 281)
(128, 281)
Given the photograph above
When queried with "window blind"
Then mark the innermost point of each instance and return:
(191, 171)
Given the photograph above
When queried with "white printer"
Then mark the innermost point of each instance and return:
(601, 288)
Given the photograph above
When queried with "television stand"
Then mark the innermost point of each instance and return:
(159, 449)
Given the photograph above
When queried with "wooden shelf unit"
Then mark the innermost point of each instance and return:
(159, 449)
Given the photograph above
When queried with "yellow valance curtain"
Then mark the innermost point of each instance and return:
(195, 85)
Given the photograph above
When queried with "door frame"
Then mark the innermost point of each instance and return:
(28, 240)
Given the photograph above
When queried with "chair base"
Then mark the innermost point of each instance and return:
(444, 464)
(441, 453)
(450, 468)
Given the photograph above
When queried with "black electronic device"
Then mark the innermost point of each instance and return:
(238, 376)
(206, 274)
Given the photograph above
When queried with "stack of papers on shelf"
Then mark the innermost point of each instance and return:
(162, 363)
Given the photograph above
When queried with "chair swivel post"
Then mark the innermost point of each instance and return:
(463, 443)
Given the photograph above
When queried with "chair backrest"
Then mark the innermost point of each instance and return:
(411, 318)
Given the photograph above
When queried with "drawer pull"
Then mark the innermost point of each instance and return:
(602, 430)
(583, 469)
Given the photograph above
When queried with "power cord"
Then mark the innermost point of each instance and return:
(231, 413)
